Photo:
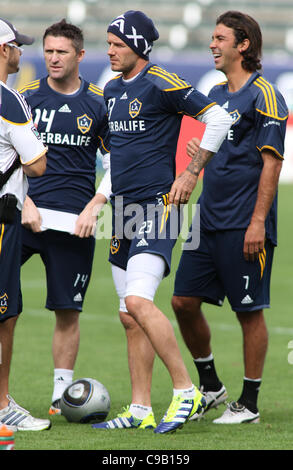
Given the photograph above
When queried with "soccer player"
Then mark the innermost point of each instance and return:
(60, 212)
(22, 153)
(238, 217)
(145, 108)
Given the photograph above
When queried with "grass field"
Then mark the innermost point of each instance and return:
(102, 356)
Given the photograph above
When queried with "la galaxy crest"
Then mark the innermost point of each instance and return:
(115, 245)
(235, 115)
(84, 123)
(134, 107)
(3, 303)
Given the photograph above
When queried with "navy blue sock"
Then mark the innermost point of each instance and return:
(249, 394)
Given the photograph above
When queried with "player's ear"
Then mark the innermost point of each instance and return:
(4, 50)
(81, 55)
(243, 46)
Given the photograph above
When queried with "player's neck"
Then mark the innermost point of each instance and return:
(63, 86)
(139, 66)
(237, 79)
(3, 73)
(3, 76)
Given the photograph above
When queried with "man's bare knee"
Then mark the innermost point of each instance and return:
(185, 306)
(128, 321)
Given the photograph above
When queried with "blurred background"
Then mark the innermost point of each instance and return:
(185, 29)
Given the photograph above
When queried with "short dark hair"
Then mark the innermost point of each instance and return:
(245, 27)
(67, 30)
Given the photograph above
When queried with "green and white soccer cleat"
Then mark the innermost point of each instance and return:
(213, 400)
(179, 411)
(126, 420)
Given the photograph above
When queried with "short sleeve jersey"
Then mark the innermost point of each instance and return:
(231, 178)
(18, 136)
(144, 121)
(73, 127)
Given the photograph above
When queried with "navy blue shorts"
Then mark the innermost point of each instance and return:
(68, 261)
(149, 227)
(10, 255)
(218, 269)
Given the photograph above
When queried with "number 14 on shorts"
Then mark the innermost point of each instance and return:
(81, 278)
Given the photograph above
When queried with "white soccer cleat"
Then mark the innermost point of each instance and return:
(213, 400)
(18, 419)
(237, 414)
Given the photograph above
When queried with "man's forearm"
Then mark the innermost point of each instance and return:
(199, 161)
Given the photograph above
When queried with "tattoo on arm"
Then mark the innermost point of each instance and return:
(199, 161)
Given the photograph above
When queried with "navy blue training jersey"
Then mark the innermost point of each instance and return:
(144, 121)
(232, 176)
(73, 127)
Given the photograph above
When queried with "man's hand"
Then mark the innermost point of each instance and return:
(30, 216)
(85, 225)
(182, 188)
(192, 147)
(254, 240)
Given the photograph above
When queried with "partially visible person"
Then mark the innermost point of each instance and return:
(238, 217)
(60, 211)
(22, 154)
(145, 108)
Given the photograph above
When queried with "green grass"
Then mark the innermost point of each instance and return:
(102, 356)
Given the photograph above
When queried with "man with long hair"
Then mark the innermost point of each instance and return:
(238, 217)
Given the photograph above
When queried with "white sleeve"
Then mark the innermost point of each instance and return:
(26, 141)
(218, 123)
(105, 161)
(105, 186)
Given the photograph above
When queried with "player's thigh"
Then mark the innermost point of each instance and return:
(144, 273)
(196, 275)
(68, 260)
(246, 283)
(157, 230)
(10, 258)
(31, 244)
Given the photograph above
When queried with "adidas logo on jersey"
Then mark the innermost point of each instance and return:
(64, 109)
(124, 96)
(226, 105)
(247, 300)
(77, 297)
(142, 242)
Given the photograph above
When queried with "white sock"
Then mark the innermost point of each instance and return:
(185, 392)
(62, 378)
(140, 411)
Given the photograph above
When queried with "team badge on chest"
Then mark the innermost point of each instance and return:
(235, 115)
(134, 107)
(84, 123)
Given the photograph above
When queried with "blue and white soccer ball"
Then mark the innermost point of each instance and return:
(85, 401)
